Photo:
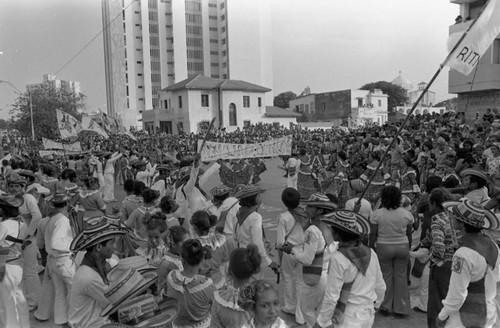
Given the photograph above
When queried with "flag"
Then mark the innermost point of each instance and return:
(51, 144)
(68, 125)
(88, 124)
(476, 40)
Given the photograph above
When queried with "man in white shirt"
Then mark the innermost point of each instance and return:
(355, 282)
(31, 215)
(225, 208)
(470, 301)
(475, 182)
(58, 238)
(292, 166)
(90, 282)
(290, 230)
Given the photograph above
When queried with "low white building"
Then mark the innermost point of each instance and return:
(186, 106)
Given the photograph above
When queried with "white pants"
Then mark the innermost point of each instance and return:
(31, 280)
(62, 270)
(13, 306)
(311, 299)
(47, 295)
(291, 182)
(291, 275)
(358, 316)
(421, 298)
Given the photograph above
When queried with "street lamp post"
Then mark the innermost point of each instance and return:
(30, 103)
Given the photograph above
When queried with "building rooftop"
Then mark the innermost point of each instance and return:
(201, 82)
(273, 111)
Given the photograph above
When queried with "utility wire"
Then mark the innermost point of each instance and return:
(95, 37)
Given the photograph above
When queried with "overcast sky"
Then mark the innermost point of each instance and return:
(324, 44)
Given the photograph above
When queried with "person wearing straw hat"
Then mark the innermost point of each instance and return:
(475, 183)
(248, 227)
(470, 301)
(225, 208)
(356, 187)
(13, 305)
(58, 238)
(90, 281)
(313, 255)
(355, 283)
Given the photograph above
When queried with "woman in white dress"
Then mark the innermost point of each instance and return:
(109, 177)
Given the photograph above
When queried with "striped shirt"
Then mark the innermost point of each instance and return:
(443, 240)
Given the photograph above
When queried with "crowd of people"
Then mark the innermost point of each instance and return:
(366, 213)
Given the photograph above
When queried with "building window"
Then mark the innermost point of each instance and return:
(246, 124)
(380, 103)
(222, 5)
(212, 5)
(139, 74)
(246, 101)
(224, 53)
(224, 41)
(140, 87)
(180, 101)
(213, 29)
(360, 102)
(139, 62)
(259, 102)
(141, 99)
(204, 100)
(180, 127)
(165, 103)
(214, 64)
(232, 115)
(212, 17)
(224, 76)
(222, 17)
(214, 41)
(214, 53)
(223, 29)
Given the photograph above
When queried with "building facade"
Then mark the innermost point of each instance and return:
(156, 43)
(189, 105)
(345, 107)
(481, 89)
(51, 80)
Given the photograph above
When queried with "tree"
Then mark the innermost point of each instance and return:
(397, 95)
(45, 100)
(283, 99)
(307, 91)
(451, 104)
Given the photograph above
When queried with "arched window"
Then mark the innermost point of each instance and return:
(232, 115)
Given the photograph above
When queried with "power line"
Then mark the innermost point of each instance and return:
(92, 40)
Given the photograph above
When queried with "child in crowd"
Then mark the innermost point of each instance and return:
(156, 230)
(175, 237)
(262, 300)
(226, 313)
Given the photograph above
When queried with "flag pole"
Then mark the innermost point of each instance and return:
(357, 205)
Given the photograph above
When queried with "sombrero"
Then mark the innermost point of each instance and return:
(96, 231)
(348, 221)
(11, 201)
(473, 214)
(477, 173)
(185, 171)
(220, 190)
(139, 263)
(145, 311)
(18, 181)
(248, 191)
(320, 201)
(26, 173)
(125, 287)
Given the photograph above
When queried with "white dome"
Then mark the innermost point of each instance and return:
(402, 82)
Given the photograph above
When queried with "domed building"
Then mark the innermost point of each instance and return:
(402, 82)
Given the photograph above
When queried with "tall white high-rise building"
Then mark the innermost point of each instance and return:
(151, 44)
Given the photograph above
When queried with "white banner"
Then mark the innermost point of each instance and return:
(88, 124)
(477, 40)
(215, 150)
(51, 144)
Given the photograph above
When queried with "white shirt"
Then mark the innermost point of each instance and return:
(365, 209)
(58, 236)
(314, 242)
(286, 222)
(470, 266)
(30, 212)
(227, 204)
(87, 299)
(250, 232)
(365, 290)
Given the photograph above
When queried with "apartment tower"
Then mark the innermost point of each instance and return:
(151, 44)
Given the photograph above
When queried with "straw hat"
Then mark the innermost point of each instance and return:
(348, 221)
(139, 263)
(18, 181)
(472, 214)
(39, 188)
(11, 201)
(248, 191)
(126, 284)
(357, 185)
(220, 190)
(320, 201)
(95, 232)
(477, 173)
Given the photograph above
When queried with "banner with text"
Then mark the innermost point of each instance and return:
(215, 150)
(51, 144)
